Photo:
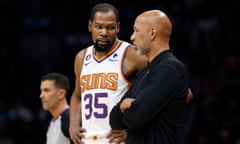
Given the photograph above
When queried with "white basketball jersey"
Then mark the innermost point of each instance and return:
(102, 85)
(54, 133)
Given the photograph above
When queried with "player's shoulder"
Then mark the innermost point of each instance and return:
(128, 44)
(129, 47)
(80, 54)
(83, 51)
(132, 53)
(133, 60)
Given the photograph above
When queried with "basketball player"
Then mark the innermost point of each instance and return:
(54, 88)
(103, 74)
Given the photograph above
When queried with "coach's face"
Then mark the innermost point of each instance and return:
(141, 35)
(104, 28)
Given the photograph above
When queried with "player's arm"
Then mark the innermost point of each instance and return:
(133, 62)
(75, 130)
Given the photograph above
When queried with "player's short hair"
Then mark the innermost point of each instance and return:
(104, 7)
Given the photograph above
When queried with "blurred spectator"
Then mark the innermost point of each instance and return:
(21, 117)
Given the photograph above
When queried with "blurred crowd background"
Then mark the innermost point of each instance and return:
(41, 36)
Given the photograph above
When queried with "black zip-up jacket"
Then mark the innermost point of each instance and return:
(157, 114)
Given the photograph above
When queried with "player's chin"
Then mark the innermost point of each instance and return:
(102, 42)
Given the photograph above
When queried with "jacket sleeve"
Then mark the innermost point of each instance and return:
(153, 95)
(116, 121)
(116, 115)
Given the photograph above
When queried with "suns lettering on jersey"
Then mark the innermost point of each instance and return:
(99, 81)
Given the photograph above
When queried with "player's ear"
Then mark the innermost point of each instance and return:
(90, 26)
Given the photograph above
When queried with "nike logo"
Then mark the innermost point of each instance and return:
(113, 60)
(87, 63)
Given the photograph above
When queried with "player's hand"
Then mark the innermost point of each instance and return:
(117, 136)
(76, 134)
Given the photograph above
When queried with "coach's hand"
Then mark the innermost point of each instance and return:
(126, 103)
(117, 136)
(76, 134)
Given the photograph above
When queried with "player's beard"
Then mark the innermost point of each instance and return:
(102, 48)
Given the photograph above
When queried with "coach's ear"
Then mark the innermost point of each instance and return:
(90, 26)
